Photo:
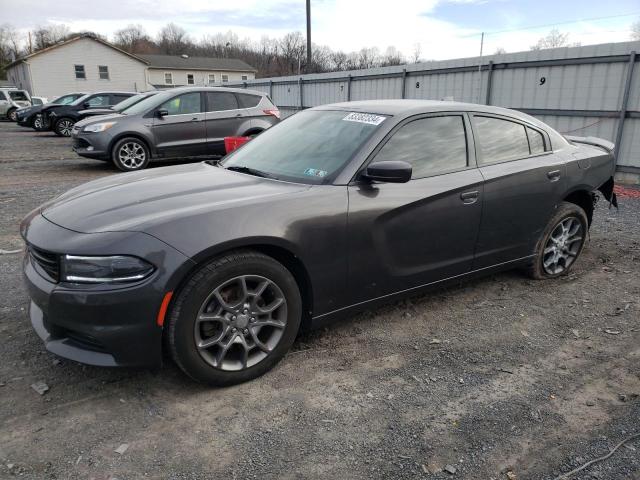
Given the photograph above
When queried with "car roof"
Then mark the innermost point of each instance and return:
(215, 89)
(406, 108)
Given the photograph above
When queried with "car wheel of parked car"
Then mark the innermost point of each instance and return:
(63, 127)
(561, 243)
(12, 115)
(234, 319)
(37, 123)
(130, 154)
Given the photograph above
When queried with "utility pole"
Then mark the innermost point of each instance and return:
(308, 35)
(480, 67)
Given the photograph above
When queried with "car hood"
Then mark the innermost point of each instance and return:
(142, 200)
(94, 116)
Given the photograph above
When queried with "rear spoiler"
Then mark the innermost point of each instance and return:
(593, 141)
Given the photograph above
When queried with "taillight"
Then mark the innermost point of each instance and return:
(274, 112)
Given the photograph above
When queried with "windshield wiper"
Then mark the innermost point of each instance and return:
(249, 170)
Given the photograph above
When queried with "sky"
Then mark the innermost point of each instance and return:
(443, 28)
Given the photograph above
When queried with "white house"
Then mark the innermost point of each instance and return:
(88, 64)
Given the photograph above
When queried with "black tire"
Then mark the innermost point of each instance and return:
(11, 115)
(187, 305)
(63, 127)
(563, 213)
(128, 163)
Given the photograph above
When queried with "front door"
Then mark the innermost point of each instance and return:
(406, 235)
(524, 180)
(181, 132)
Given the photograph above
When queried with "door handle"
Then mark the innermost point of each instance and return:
(195, 119)
(238, 114)
(469, 197)
(553, 175)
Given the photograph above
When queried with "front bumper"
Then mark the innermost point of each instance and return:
(90, 145)
(103, 325)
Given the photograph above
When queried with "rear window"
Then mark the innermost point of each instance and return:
(247, 100)
(500, 140)
(18, 95)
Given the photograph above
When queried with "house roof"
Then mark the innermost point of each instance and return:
(179, 62)
(71, 40)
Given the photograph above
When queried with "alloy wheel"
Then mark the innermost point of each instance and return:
(37, 123)
(240, 322)
(65, 127)
(132, 155)
(563, 245)
(13, 116)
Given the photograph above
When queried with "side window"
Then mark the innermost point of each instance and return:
(500, 140)
(183, 104)
(247, 101)
(536, 141)
(431, 145)
(220, 101)
(99, 101)
(118, 98)
(79, 69)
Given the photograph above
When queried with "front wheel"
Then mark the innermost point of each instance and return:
(234, 319)
(63, 127)
(13, 115)
(130, 154)
(561, 243)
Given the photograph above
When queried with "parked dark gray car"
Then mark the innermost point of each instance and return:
(181, 122)
(337, 209)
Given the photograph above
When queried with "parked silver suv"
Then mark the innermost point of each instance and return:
(11, 99)
(181, 122)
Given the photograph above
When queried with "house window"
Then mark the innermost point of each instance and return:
(212, 78)
(168, 78)
(103, 72)
(190, 79)
(244, 77)
(80, 71)
(225, 78)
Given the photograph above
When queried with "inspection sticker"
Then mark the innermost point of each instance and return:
(369, 118)
(312, 172)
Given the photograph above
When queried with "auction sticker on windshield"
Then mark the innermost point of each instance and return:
(313, 172)
(369, 118)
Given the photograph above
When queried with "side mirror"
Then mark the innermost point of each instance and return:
(389, 171)
(162, 113)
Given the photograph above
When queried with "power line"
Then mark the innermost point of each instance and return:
(555, 24)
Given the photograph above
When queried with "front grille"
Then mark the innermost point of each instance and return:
(48, 262)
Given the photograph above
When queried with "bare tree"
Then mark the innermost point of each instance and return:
(43, 37)
(132, 38)
(392, 57)
(500, 51)
(10, 41)
(635, 30)
(417, 51)
(173, 39)
(555, 38)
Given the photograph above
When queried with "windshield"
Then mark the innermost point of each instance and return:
(65, 99)
(80, 100)
(125, 104)
(309, 147)
(18, 95)
(148, 103)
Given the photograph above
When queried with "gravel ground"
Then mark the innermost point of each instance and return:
(503, 377)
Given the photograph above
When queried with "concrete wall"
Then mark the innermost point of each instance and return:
(577, 90)
(53, 74)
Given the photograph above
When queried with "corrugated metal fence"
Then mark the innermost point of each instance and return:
(583, 91)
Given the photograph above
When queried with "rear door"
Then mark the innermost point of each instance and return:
(181, 132)
(524, 181)
(224, 118)
(411, 234)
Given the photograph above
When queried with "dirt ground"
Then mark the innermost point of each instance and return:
(500, 378)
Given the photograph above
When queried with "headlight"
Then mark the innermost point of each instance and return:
(113, 269)
(98, 127)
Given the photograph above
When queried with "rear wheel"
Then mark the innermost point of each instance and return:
(63, 127)
(561, 243)
(12, 115)
(234, 319)
(130, 154)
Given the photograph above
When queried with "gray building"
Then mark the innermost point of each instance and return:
(87, 64)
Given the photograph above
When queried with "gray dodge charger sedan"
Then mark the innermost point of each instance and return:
(334, 210)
